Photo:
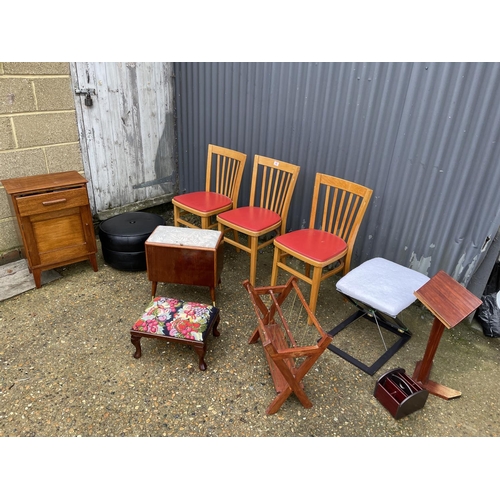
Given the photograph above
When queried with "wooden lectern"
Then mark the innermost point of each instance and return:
(450, 302)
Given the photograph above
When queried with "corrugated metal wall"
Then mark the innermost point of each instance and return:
(424, 137)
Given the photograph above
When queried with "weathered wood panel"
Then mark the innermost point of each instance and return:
(15, 278)
(127, 135)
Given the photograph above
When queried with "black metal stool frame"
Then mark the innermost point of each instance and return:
(394, 325)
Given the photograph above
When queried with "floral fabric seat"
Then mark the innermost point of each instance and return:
(177, 321)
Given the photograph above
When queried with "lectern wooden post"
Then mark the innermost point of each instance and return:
(450, 303)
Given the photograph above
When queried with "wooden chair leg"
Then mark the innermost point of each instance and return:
(254, 241)
(223, 229)
(205, 222)
(274, 274)
(236, 238)
(307, 270)
(316, 282)
(176, 216)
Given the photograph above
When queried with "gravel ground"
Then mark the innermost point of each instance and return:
(66, 367)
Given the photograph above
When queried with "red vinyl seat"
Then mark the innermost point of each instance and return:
(253, 219)
(205, 201)
(314, 244)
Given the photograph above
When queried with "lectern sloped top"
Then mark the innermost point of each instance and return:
(447, 299)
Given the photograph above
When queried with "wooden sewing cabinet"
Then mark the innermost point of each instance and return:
(54, 220)
(185, 256)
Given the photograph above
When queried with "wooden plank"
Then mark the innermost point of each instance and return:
(15, 279)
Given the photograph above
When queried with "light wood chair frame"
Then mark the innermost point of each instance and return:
(224, 172)
(343, 207)
(288, 361)
(272, 187)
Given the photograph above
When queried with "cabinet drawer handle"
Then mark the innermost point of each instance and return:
(60, 200)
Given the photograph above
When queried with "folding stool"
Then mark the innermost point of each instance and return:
(381, 290)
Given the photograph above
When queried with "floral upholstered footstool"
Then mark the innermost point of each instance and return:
(177, 321)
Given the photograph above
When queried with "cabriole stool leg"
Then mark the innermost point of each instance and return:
(201, 350)
(136, 341)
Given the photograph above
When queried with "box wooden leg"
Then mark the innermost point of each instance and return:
(37, 276)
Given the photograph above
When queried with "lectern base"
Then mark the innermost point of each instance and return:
(434, 387)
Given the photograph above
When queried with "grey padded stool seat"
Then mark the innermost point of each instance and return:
(381, 290)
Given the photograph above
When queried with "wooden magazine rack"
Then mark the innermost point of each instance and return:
(288, 362)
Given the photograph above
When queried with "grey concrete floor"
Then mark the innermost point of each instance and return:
(66, 367)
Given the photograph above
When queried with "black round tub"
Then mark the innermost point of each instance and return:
(122, 239)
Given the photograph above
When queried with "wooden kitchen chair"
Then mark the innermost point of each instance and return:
(222, 185)
(273, 183)
(338, 208)
(288, 361)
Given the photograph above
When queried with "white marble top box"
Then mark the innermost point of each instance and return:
(185, 236)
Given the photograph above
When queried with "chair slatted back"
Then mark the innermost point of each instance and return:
(338, 207)
(273, 183)
(224, 171)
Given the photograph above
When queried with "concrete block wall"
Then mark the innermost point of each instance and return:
(38, 132)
